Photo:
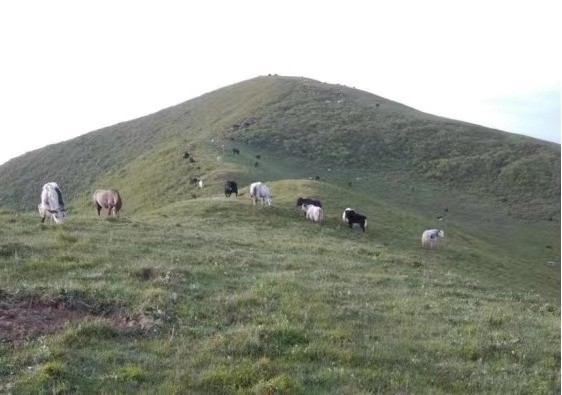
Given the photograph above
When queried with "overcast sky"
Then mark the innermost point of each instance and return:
(70, 67)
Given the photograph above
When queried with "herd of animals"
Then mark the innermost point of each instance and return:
(52, 206)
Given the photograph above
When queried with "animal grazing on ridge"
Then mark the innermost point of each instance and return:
(351, 217)
(260, 191)
(230, 187)
(51, 205)
(314, 213)
(253, 187)
(109, 199)
(430, 238)
(302, 202)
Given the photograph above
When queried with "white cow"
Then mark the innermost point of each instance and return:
(200, 183)
(314, 213)
(429, 238)
(260, 191)
(51, 205)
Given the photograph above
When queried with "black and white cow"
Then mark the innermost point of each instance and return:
(351, 217)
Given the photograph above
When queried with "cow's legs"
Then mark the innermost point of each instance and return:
(98, 207)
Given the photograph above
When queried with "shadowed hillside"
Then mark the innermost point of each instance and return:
(331, 125)
(348, 127)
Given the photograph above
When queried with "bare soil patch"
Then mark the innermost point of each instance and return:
(24, 318)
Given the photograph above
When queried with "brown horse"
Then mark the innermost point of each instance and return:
(109, 199)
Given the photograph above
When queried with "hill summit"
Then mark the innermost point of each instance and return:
(325, 125)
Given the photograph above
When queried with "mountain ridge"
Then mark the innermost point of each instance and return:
(331, 124)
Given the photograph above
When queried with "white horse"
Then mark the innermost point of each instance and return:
(52, 205)
(260, 191)
(253, 187)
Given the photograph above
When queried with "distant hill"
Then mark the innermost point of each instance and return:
(324, 124)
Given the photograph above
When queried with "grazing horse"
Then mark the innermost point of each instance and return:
(253, 187)
(51, 205)
(260, 191)
(109, 199)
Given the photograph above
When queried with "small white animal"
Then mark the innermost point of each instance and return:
(430, 237)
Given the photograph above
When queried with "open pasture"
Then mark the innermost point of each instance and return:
(215, 295)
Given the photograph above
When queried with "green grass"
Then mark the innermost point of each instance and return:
(300, 119)
(215, 295)
(192, 292)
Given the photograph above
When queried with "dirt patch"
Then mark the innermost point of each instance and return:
(22, 319)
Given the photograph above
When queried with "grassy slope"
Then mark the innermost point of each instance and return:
(494, 264)
(351, 128)
(252, 299)
(133, 154)
(333, 125)
(513, 253)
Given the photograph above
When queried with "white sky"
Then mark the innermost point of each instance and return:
(70, 67)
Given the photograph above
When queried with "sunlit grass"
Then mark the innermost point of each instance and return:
(215, 295)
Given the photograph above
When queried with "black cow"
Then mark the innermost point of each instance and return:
(236, 151)
(350, 216)
(230, 187)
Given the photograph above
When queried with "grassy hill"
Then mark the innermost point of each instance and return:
(332, 125)
(190, 291)
(215, 295)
